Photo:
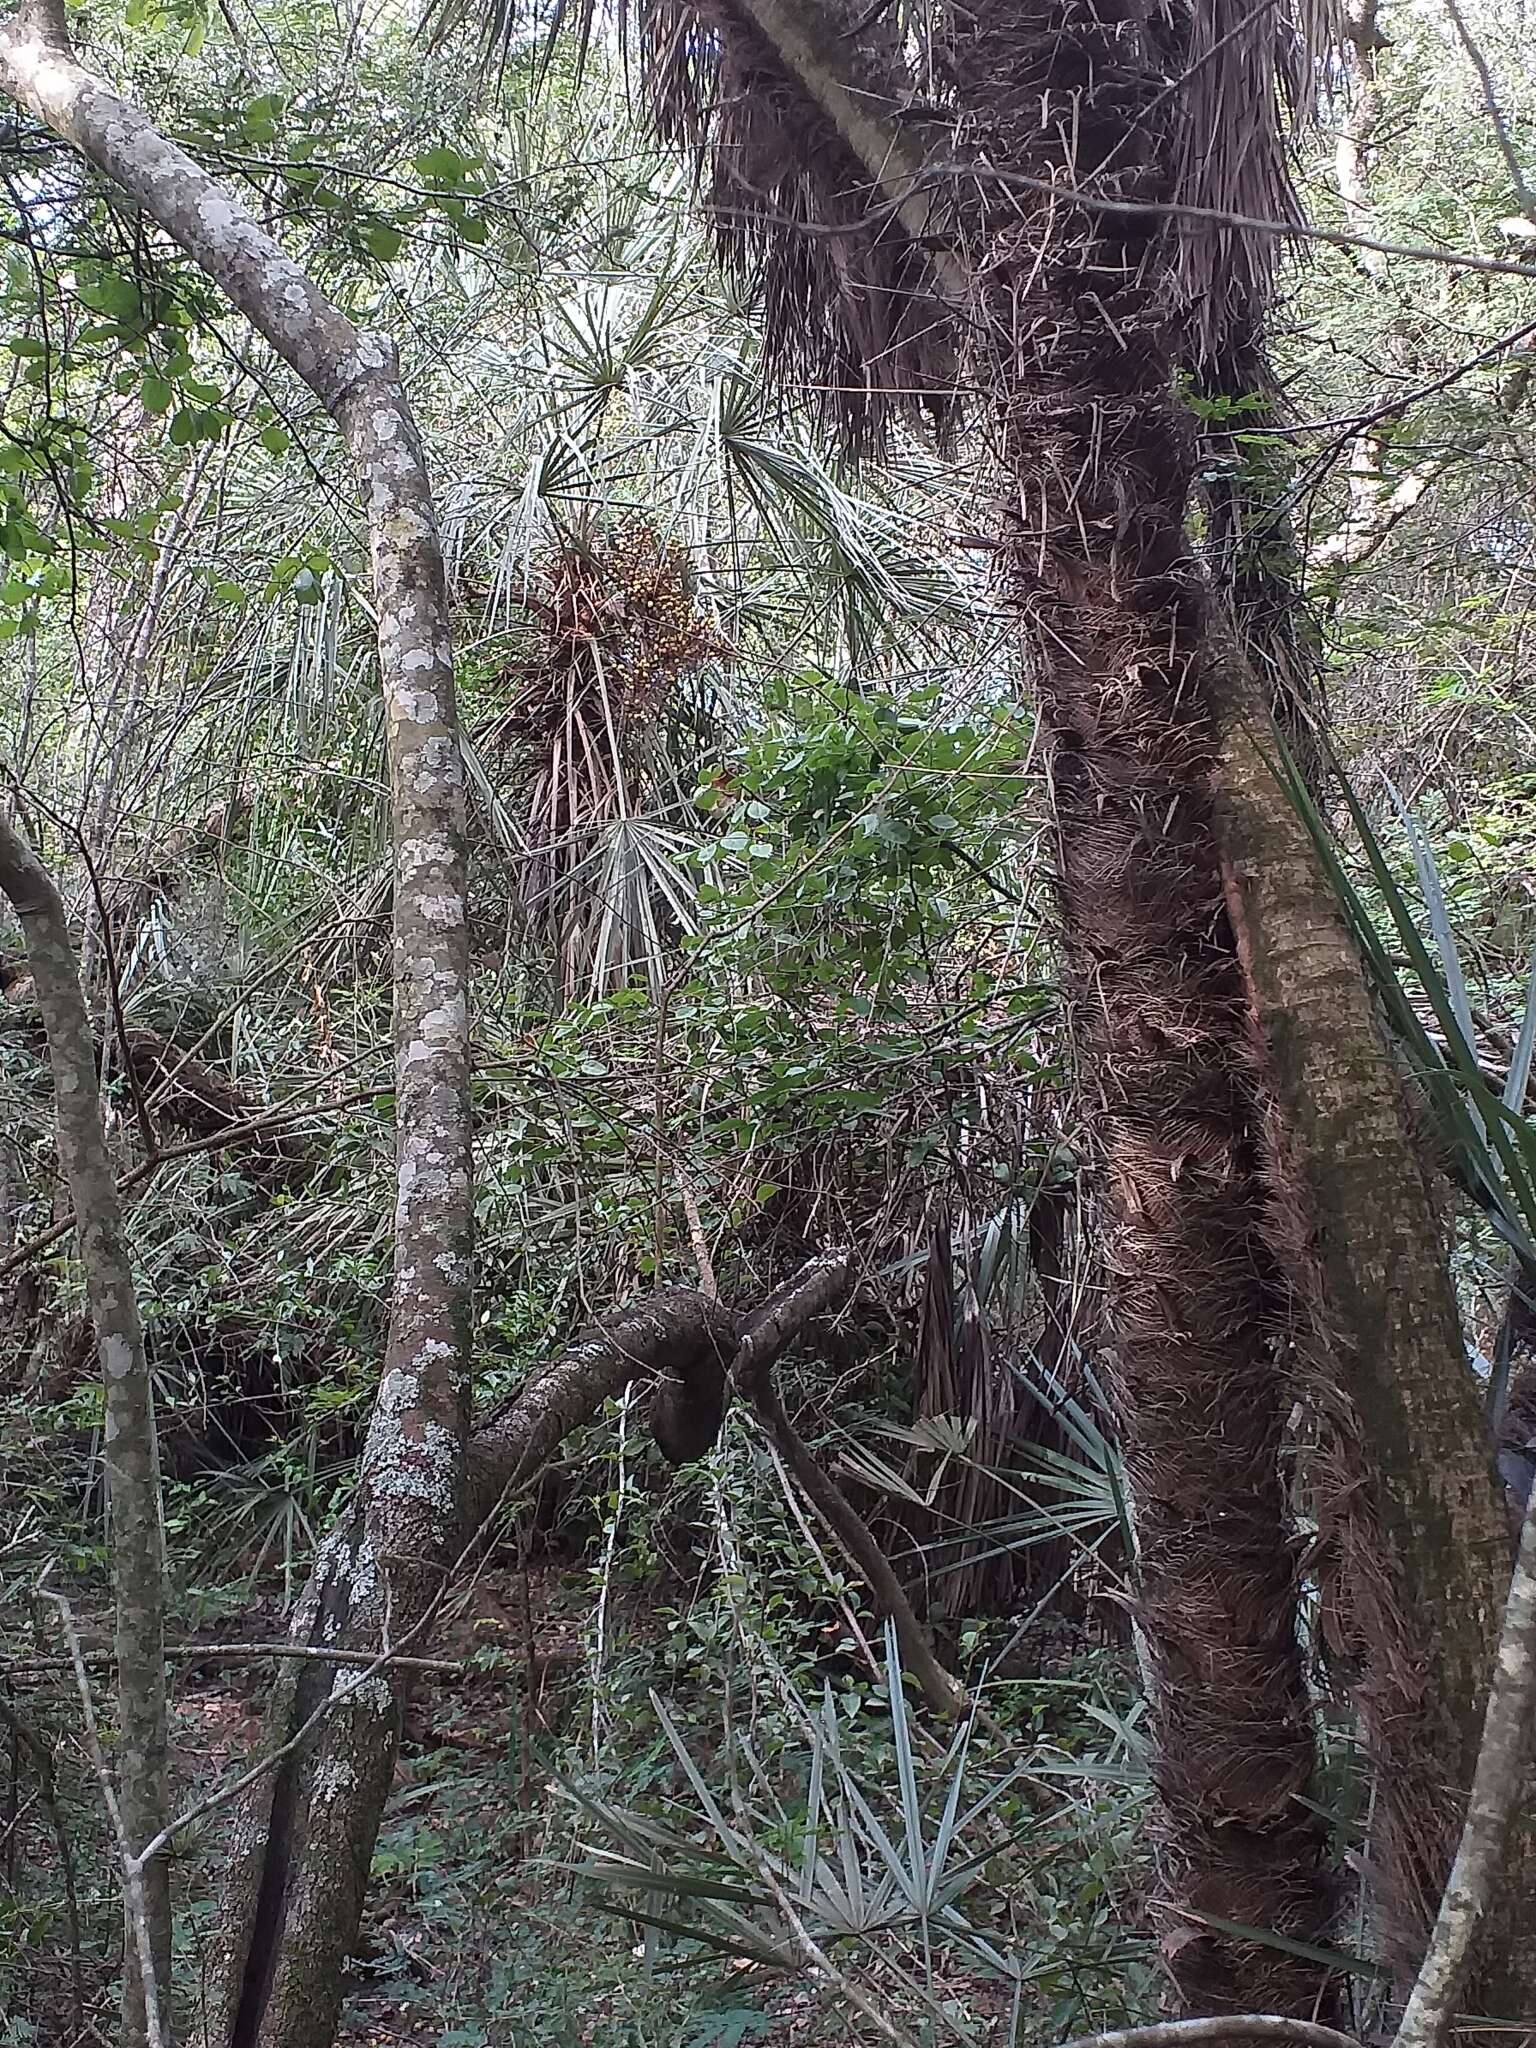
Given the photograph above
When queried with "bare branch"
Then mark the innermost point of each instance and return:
(143, 1934)
(1218, 2032)
(1495, 112)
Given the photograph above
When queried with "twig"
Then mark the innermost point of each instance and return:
(1142, 209)
(1218, 216)
(707, 1282)
(133, 1866)
(336, 1697)
(819, 1961)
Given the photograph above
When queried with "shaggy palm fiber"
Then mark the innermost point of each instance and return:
(1100, 457)
(848, 305)
(616, 627)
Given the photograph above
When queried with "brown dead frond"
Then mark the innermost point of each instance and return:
(617, 627)
(850, 307)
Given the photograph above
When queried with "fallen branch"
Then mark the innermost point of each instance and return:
(1226, 2027)
(752, 1377)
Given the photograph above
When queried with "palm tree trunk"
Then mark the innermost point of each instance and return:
(1099, 455)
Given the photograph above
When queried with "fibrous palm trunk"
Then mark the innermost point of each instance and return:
(1099, 455)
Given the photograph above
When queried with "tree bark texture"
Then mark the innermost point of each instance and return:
(1099, 455)
(383, 1571)
(1414, 1544)
(131, 1452)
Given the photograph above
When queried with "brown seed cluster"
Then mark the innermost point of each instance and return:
(619, 626)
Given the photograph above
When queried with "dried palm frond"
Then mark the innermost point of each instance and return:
(1245, 64)
(617, 626)
(850, 307)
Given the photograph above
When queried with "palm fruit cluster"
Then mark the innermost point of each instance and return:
(619, 626)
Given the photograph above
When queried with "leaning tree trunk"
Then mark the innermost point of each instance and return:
(1414, 1542)
(131, 1455)
(380, 1579)
(1411, 1552)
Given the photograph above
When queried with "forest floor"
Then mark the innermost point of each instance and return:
(475, 1936)
(481, 1929)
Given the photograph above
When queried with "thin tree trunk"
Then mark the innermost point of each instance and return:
(382, 1574)
(131, 1454)
(1514, 1360)
(1415, 1536)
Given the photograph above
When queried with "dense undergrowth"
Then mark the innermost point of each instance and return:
(764, 961)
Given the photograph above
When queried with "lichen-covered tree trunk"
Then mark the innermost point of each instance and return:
(1099, 453)
(1415, 1541)
(131, 1452)
(383, 1572)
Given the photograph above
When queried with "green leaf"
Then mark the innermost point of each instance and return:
(384, 241)
(441, 165)
(155, 395)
